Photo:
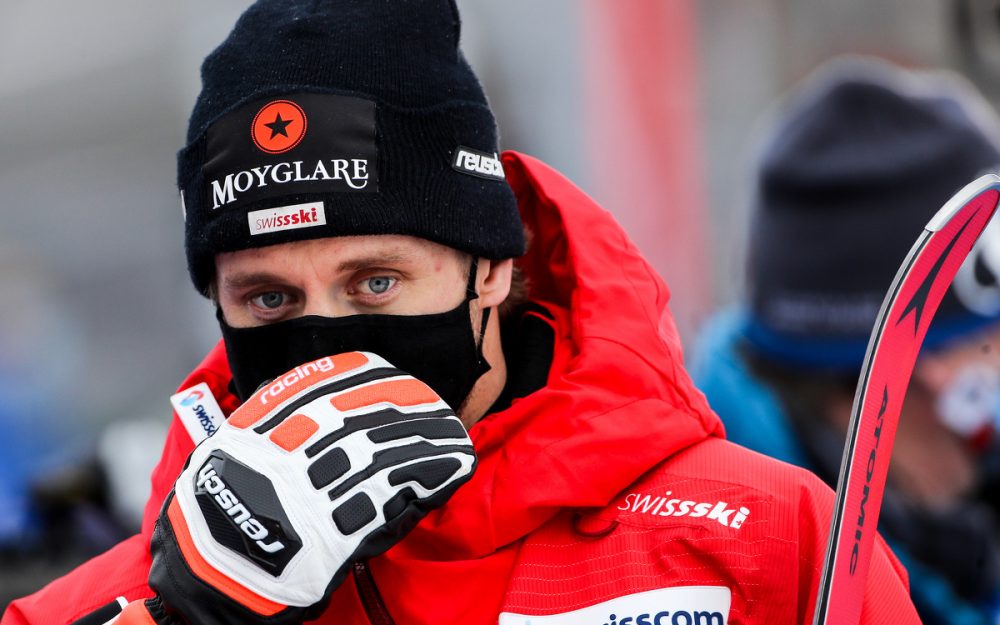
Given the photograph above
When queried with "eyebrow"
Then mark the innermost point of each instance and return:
(374, 260)
(244, 280)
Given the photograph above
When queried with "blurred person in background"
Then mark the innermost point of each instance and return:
(53, 499)
(854, 164)
(569, 383)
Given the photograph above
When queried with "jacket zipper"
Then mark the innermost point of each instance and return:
(371, 600)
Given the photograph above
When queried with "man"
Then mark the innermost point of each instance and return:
(856, 162)
(342, 192)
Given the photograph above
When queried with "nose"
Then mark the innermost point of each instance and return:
(322, 303)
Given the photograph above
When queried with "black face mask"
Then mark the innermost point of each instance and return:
(440, 349)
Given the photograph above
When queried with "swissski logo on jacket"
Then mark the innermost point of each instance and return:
(668, 505)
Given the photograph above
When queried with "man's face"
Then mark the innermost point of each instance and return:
(339, 276)
(963, 380)
(938, 368)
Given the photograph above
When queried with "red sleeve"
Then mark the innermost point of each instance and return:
(120, 571)
(887, 596)
(887, 590)
(176, 449)
(214, 371)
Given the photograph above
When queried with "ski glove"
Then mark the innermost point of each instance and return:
(330, 464)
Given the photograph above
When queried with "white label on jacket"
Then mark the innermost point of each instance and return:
(198, 411)
(681, 605)
(667, 507)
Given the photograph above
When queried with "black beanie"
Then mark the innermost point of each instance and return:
(857, 162)
(321, 118)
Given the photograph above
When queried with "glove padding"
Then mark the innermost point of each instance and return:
(330, 464)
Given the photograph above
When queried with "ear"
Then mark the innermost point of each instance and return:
(493, 281)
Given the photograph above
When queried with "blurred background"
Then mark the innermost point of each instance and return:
(650, 106)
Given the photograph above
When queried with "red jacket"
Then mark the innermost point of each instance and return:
(602, 489)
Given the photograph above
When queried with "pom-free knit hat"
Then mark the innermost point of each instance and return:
(858, 161)
(321, 118)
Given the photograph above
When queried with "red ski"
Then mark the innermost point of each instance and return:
(899, 331)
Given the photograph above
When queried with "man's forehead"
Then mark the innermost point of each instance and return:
(340, 253)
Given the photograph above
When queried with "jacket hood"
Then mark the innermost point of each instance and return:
(618, 401)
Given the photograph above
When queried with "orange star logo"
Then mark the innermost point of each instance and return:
(278, 126)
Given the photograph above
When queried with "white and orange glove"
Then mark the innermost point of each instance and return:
(330, 464)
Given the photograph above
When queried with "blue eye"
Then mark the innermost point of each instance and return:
(380, 284)
(270, 300)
